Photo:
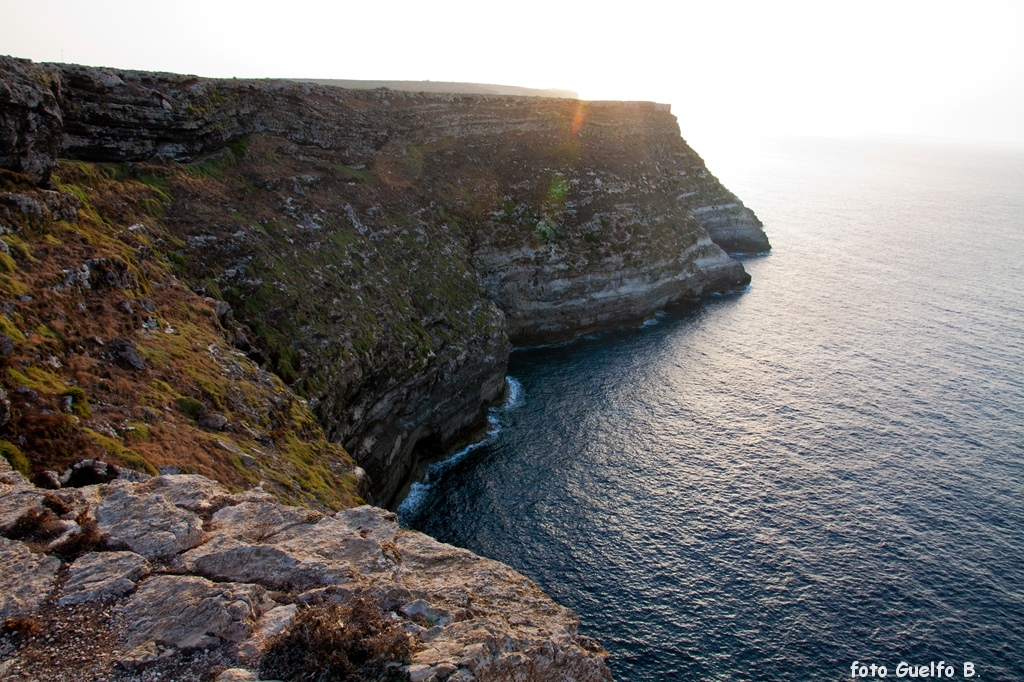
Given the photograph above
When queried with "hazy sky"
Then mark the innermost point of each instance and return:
(938, 69)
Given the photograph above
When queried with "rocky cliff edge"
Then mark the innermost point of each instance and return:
(175, 577)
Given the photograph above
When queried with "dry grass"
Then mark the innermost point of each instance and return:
(348, 643)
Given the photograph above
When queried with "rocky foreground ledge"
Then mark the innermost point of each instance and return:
(175, 577)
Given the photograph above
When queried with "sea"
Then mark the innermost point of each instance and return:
(818, 474)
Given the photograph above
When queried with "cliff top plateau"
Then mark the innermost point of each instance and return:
(442, 86)
(176, 577)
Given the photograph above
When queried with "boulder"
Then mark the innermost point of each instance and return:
(238, 675)
(123, 354)
(213, 422)
(88, 472)
(99, 576)
(47, 479)
(144, 654)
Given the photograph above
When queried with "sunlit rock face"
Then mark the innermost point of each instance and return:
(382, 251)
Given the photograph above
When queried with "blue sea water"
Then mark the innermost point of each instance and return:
(828, 467)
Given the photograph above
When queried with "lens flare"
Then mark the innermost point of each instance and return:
(577, 118)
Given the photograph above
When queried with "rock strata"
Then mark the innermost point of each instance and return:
(259, 564)
(30, 118)
(380, 253)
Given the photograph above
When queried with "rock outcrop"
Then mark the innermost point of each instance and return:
(30, 118)
(228, 595)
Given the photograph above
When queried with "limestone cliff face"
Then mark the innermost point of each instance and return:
(382, 250)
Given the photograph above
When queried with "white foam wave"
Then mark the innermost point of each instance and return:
(514, 397)
(419, 491)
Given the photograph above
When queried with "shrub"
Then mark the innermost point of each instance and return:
(15, 457)
(24, 626)
(191, 407)
(35, 527)
(58, 506)
(88, 539)
(79, 401)
(351, 642)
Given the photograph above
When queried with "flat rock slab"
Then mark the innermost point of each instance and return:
(258, 521)
(188, 612)
(149, 524)
(272, 566)
(17, 500)
(98, 576)
(188, 491)
(26, 579)
(467, 618)
(271, 624)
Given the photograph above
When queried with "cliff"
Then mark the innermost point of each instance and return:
(250, 280)
(381, 250)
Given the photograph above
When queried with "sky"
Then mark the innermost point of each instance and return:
(944, 70)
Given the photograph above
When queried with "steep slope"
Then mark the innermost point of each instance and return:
(106, 355)
(381, 250)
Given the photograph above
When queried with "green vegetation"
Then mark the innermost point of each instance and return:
(38, 379)
(7, 263)
(19, 247)
(79, 401)
(65, 362)
(189, 406)
(360, 174)
(14, 456)
(116, 449)
(9, 328)
(137, 432)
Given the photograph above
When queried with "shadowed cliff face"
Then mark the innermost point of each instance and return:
(382, 250)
